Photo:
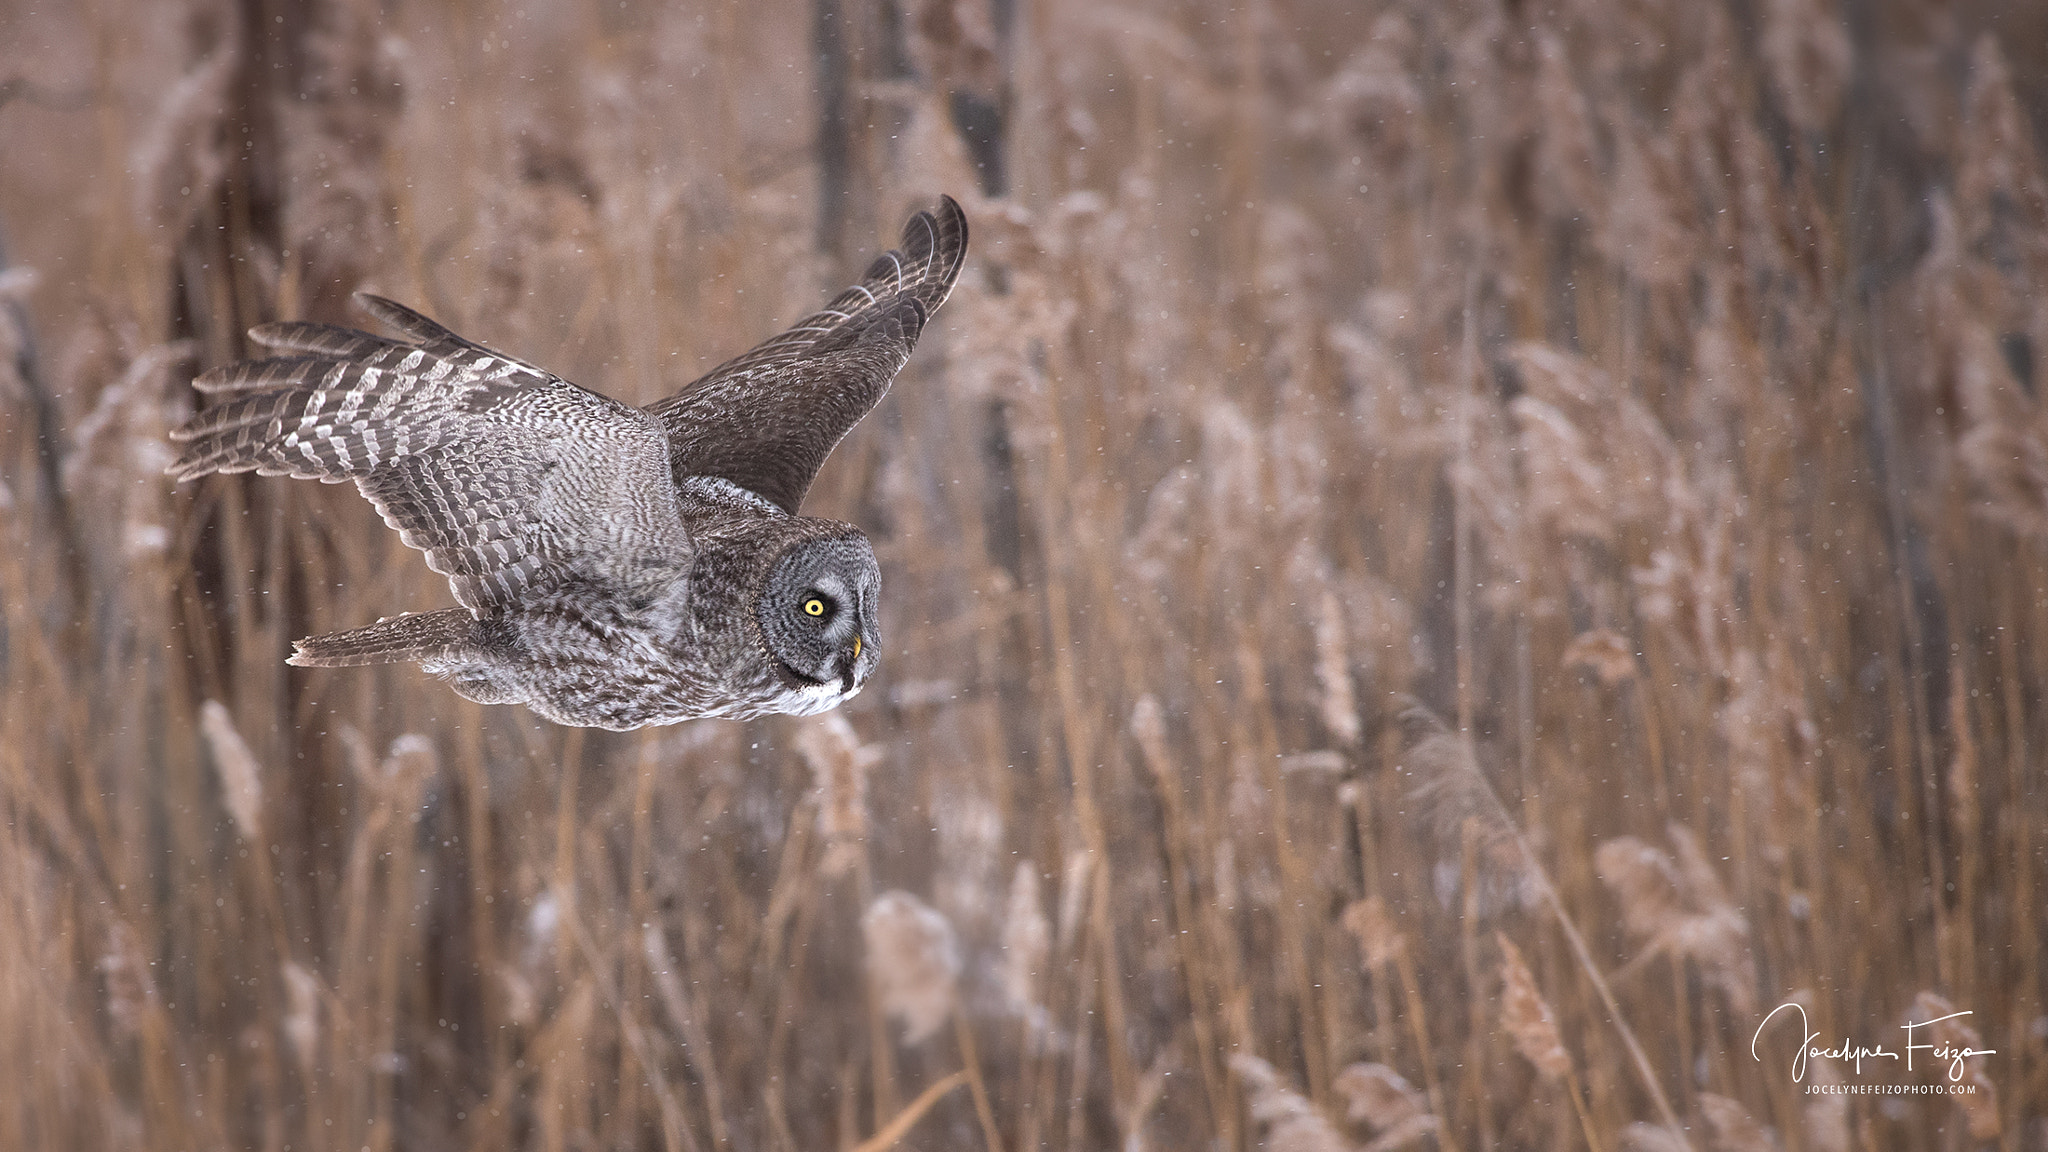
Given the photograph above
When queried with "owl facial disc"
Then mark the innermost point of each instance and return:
(818, 620)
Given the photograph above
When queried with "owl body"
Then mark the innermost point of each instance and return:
(596, 654)
(614, 567)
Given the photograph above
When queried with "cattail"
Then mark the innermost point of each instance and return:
(1381, 942)
(543, 927)
(337, 213)
(1527, 1016)
(1074, 888)
(123, 434)
(1645, 227)
(241, 780)
(934, 152)
(15, 285)
(1733, 1129)
(518, 999)
(2004, 448)
(1320, 762)
(1449, 784)
(1605, 653)
(1641, 1137)
(1385, 637)
(140, 539)
(912, 694)
(1764, 221)
(1232, 467)
(1372, 102)
(1808, 58)
(839, 778)
(1499, 509)
(2009, 465)
(180, 157)
(1291, 1122)
(400, 779)
(1161, 543)
(1148, 728)
(1151, 1088)
(1727, 363)
(1380, 1098)
(694, 1036)
(1027, 939)
(119, 441)
(954, 43)
(1157, 48)
(1299, 451)
(1950, 1032)
(1826, 1116)
(1568, 183)
(661, 964)
(1384, 401)
(1289, 272)
(913, 962)
(1999, 183)
(968, 825)
(1567, 484)
(126, 976)
(1339, 703)
(1405, 1135)
(1964, 798)
(302, 1013)
(1596, 457)
(1679, 907)
(1765, 724)
(1717, 935)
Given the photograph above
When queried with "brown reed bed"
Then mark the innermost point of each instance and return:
(1442, 561)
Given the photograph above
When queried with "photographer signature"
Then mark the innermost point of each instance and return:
(1857, 1053)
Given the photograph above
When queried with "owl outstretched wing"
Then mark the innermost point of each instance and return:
(502, 473)
(767, 419)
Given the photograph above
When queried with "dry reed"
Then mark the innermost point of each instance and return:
(1653, 390)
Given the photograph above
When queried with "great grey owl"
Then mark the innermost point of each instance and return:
(615, 566)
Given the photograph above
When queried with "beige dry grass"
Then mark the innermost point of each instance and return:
(1651, 392)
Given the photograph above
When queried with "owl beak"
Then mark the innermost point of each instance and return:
(849, 665)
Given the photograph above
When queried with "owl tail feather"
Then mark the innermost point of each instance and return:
(413, 636)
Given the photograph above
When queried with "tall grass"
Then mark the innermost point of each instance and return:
(1443, 560)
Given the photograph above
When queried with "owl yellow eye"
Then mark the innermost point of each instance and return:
(814, 607)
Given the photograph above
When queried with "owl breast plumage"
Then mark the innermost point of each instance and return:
(612, 566)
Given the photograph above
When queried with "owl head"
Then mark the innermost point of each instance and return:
(817, 614)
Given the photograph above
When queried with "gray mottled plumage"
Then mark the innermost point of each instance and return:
(614, 566)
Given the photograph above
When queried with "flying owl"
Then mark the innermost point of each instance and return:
(614, 566)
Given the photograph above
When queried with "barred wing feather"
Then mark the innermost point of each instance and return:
(767, 419)
(502, 473)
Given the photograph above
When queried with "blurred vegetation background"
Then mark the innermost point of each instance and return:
(1443, 560)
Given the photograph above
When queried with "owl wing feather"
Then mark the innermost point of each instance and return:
(767, 419)
(502, 473)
